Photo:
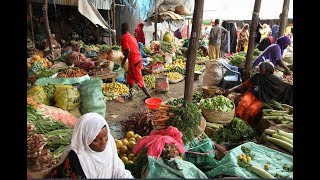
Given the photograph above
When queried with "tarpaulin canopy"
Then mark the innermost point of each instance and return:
(87, 9)
(243, 9)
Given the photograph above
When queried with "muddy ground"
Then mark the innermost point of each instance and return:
(119, 111)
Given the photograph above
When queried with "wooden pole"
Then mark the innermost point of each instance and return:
(155, 21)
(192, 50)
(188, 31)
(46, 20)
(31, 21)
(114, 21)
(283, 17)
(110, 34)
(253, 28)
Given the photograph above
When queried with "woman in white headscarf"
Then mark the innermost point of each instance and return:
(92, 152)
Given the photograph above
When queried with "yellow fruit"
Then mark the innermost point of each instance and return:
(248, 158)
(130, 134)
(123, 149)
(124, 159)
(129, 162)
(125, 142)
(138, 138)
(131, 156)
(131, 144)
(132, 139)
(123, 155)
(118, 143)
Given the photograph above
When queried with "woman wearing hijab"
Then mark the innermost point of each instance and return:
(225, 42)
(92, 153)
(274, 53)
(243, 39)
(145, 58)
(139, 34)
(261, 88)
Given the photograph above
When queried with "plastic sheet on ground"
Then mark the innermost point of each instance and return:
(263, 155)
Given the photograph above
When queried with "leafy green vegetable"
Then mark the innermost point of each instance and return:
(187, 119)
(256, 52)
(146, 50)
(237, 59)
(116, 48)
(50, 89)
(234, 132)
(44, 73)
(217, 103)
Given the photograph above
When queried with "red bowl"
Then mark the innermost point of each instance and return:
(153, 102)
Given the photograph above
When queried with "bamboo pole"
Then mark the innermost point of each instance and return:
(192, 50)
(46, 20)
(253, 28)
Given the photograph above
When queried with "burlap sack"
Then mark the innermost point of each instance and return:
(213, 73)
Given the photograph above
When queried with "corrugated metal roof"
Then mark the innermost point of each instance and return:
(99, 4)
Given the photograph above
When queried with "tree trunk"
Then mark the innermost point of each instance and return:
(192, 50)
(46, 20)
(253, 28)
(283, 17)
(114, 22)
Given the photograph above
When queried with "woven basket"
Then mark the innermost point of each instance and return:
(218, 116)
(210, 91)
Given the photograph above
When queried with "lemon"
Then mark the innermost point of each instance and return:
(123, 149)
(131, 156)
(130, 134)
(124, 159)
(125, 142)
(118, 143)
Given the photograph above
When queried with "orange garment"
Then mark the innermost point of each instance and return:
(249, 106)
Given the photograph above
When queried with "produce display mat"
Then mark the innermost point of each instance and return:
(270, 144)
(176, 81)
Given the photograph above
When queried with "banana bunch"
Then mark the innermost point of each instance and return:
(150, 80)
(173, 76)
(116, 87)
(177, 63)
(37, 58)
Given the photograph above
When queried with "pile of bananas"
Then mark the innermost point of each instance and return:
(117, 87)
(174, 76)
(177, 63)
(150, 80)
(199, 67)
(37, 58)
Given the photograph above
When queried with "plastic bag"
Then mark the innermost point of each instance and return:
(92, 99)
(38, 94)
(201, 153)
(263, 155)
(157, 168)
(67, 97)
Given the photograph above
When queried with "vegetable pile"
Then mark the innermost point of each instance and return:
(150, 80)
(139, 122)
(187, 119)
(217, 103)
(125, 146)
(196, 97)
(71, 72)
(116, 87)
(174, 76)
(237, 59)
(280, 138)
(278, 113)
(234, 132)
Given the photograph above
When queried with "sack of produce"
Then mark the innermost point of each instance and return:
(201, 153)
(162, 84)
(213, 73)
(115, 56)
(182, 10)
(67, 97)
(38, 94)
(92, 99)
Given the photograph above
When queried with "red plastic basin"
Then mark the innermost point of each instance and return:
(153, 102)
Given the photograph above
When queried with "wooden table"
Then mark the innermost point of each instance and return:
(106, 76)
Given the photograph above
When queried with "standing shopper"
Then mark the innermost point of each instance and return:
(131, 52)
(243, 41)
(139, 34)
(215, 39)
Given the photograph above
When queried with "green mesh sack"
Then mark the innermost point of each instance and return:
(38, 94)
(201, 153)
(67, 97)
(92, 98)
(172, 169)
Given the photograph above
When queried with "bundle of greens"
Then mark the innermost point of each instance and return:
(237, 59)
(44, 73)
(187, 119)
(234, 132)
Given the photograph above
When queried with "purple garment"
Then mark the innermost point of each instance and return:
(283, 42)
(273, 53)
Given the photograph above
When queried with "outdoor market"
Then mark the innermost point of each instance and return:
(149, 89)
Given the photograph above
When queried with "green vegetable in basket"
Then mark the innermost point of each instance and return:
(217, 103)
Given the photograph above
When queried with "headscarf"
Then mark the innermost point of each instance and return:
(141, 51)
(105, 164)
(283, 42)
(268, 86)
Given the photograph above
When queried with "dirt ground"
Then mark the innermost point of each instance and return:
(119, 111)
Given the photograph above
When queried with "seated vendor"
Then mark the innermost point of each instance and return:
(261, 88)
(145, 57)
(92, 153)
